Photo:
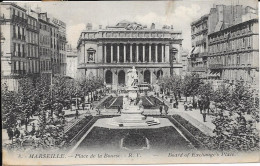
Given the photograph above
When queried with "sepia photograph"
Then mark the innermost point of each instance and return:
(130, 82)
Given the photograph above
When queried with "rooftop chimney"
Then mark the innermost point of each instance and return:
(89, 26)
(171, 26)
(38, 9)
(100, 26)
(153, 26)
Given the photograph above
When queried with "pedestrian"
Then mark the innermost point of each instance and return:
(166, 109)
(33, 129)
(185, 106)
(190, 106)
(16, 133)
(19, 122)
(200, 105)
(177, 103)
(83, 106)
(98, 111)
(204, 114)
(118, 110)
(77, 114)
(194, 104)
(10, 133)
(161, 109)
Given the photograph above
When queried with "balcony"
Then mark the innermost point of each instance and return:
(203, 54)
(216, 66)
(199, 69)
(19, 71)
(19, 20)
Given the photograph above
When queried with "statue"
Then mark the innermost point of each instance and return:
(132, 77)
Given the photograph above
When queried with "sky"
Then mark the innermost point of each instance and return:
(179, 13)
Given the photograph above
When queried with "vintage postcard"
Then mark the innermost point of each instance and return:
(130, 82)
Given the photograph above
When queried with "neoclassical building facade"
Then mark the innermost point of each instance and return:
(109, 53)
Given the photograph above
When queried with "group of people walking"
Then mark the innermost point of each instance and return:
(203, 104)
(164, 107)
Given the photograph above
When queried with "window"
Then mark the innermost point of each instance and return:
(14, 32)
(14, 49)
(23, 36)
(19, 34)
(23, 50)
(14, 66)
(19, 51)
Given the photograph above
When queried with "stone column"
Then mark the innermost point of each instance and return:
(167, 52)
(131, 53)
(118, 53)
(156, 53)
(99, 53)
(124, 53)
(105, 53)
(143, 53)
(112, 53)
(150, 52)
(137, 53)
(162, 53)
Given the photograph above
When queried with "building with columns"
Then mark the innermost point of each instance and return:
(108, 53)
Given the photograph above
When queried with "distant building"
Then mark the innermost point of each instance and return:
(72, 62)
(220, 18)
(33, 44)
(109, 53)
(198, 55)
(45, 44)
(14, 46)
(234, 53)
(184, 58)
(61, 45)
(33, 65)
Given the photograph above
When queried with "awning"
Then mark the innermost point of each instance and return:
(196, 50)
(214, 75)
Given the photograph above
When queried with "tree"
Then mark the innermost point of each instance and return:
(190, 85)
(236, 119)
(172, 83)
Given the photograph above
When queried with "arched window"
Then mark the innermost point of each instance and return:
(109, 77)
(147, 76)
(121, 77)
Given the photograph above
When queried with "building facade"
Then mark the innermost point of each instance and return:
(32, 45)
(234, 53)
(184, 58)
(33, 58)
(109, 53)
(219, 18)
(61, 41)
(72, 62)
(14, 47)
(45, 49)
(199, 37)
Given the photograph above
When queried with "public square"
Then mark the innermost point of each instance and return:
(130, 80)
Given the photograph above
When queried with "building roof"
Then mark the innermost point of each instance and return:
(232, 27)
(14, 5)
(200, 19)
